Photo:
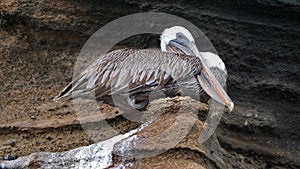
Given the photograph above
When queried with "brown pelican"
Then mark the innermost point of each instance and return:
(140, 72)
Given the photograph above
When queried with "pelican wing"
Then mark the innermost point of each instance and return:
(131, 71)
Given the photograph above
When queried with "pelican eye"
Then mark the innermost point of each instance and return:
(180, 36)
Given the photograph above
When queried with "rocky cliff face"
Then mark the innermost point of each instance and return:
(258, 41)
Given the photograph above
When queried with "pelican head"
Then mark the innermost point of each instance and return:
(178, 39)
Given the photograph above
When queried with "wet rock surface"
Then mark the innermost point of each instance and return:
(258, 41)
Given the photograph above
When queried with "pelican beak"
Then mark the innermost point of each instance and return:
(213, 88)
(206, 79)
(210, 84)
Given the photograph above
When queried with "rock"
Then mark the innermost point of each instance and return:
(11, 143)
(9, 157)
(48, 137)
(169, 131)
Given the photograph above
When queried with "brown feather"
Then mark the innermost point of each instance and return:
(131, 70)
